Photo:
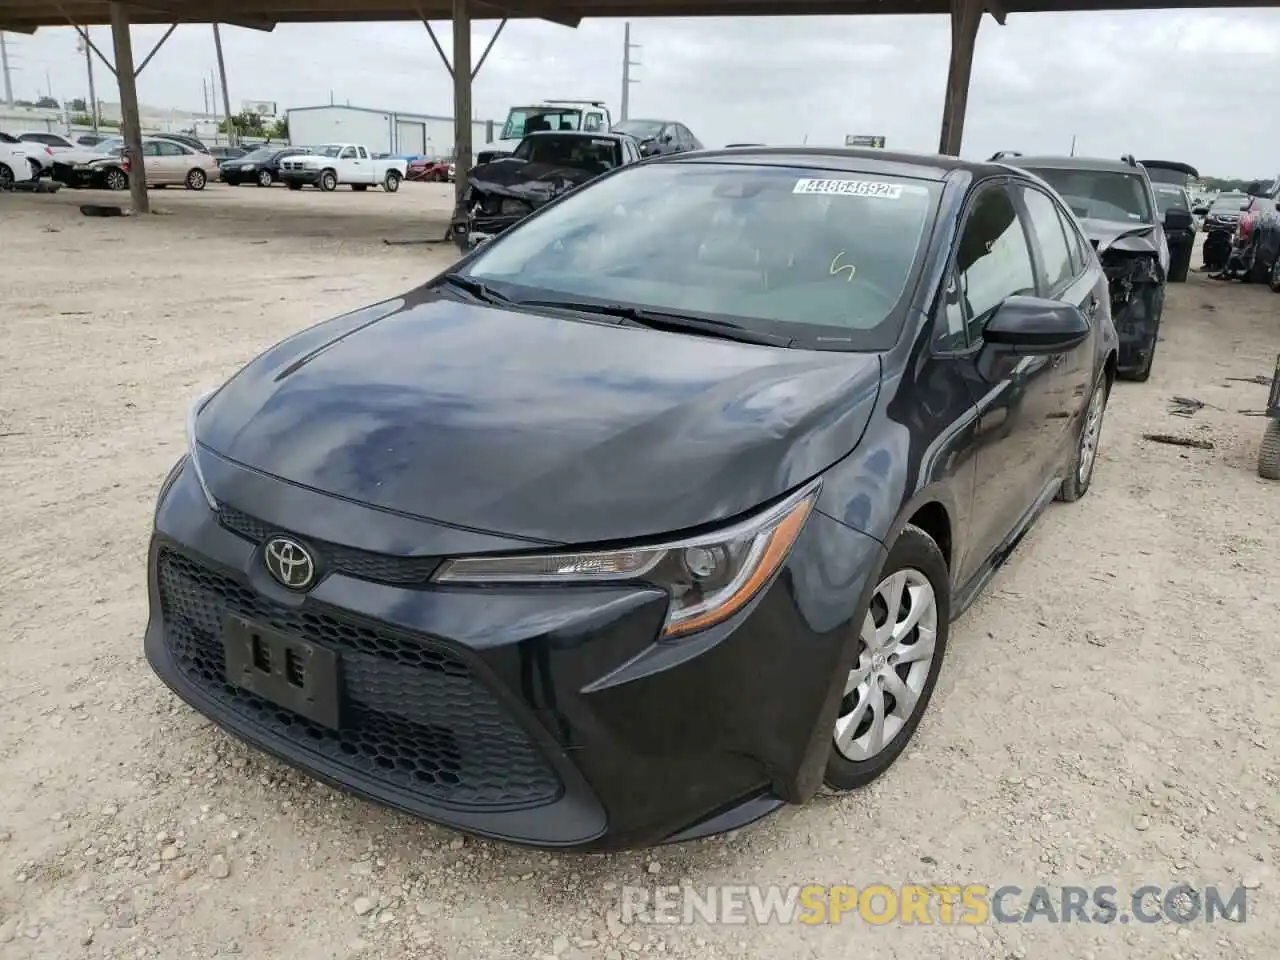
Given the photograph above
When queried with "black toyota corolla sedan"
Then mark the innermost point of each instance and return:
(651, 514)
(261, 166)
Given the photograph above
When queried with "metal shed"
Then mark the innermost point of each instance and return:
(382, 131)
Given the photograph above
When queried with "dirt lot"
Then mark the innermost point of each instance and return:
(1107, 714)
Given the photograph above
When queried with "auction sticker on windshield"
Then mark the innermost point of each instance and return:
(850, 188)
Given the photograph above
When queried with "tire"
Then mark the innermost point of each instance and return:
(1259, 271)
(915, 558)
(1269, 453)
(264, 178)
(1180, 263)
(1274, 281)
(115, 179)
(359, 187)
(328, 181)
(391, 182)
(1085, 458)
(196, 179)
(7, 179)
(294, 186)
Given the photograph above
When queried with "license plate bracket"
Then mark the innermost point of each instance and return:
(284, 669)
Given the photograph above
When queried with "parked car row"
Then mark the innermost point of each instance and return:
(1242, 235)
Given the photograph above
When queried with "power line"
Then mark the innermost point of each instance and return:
(627, 64)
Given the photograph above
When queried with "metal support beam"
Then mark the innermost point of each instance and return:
(439, 49)
(461, 96)
(965, 17)
(84, 35)
(154, 50)
(232, 134)
(130, 125)
(489, 46)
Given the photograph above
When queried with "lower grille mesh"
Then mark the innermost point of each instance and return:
(414, 714)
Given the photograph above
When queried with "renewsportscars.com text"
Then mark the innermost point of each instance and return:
(970, 904)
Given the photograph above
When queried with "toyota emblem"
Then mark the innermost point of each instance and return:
(289, 562)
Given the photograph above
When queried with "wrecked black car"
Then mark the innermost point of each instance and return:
(544, 167)
(1116, 205)
(1170, 179)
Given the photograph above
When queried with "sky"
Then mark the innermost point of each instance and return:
(1196, 86)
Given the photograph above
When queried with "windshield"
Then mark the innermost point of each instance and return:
(261, 154)
(329, 150)
(111, 145)
(598, 154)
(640, 129)
(1101, 194)
(779, 250)
(1228, 201)
(1170, 198)
(524, 120)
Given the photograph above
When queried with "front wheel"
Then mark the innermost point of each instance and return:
(903, 636)
(116, 179)
(391, 183)
(1080, 474)
(1269, 452)
(264, 178)
(7, 178)
(196, 179)
(328, 181)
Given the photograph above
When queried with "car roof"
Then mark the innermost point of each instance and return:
(1073, 163)
(583, 134)
(926, 166)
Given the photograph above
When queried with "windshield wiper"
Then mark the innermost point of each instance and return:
(477, 289)
(664, 320)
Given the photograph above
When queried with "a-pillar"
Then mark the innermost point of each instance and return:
(966, 15)
(130, 126)
(461, 97)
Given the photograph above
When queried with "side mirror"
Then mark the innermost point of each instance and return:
(667, 138)
(1033, 326)
(1178, 219)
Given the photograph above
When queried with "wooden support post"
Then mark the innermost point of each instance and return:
(966, 15)
(130, 124)
(461, 97)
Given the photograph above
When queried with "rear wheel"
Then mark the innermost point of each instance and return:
(902, 639)
(1080, 473)
(1269, 455)
(264, 178)
(196, 179)
(391, 183)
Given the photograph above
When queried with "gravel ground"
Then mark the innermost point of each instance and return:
(1107, 714)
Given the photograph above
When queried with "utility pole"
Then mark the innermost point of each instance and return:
(83, 47)
(222, 73)
(4, 66)
(627, 64)
(1073, 144)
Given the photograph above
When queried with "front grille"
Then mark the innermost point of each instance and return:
(336, 558)
(414, 714)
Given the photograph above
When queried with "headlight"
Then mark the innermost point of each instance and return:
(193, 448)
(709, 578)
(249, 167)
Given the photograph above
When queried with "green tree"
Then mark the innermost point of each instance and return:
(279, 130)
(246, 124)
(78, 105)
(48, 103)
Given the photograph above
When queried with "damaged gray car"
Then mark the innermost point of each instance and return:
(544, 167)
(1116, 205)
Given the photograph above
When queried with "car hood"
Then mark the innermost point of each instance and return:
(535, 183)
(1129, 237)
(549, 429)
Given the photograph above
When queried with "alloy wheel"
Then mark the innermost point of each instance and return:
(6, 176)
(264, 178)
(116, 180)
(1090, 434)
(895, 657)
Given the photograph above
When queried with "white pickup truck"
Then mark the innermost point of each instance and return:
(588, 116)
(334, 163)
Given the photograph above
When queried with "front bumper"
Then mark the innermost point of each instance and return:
(75, 176)
(467, 230)
(300, 176)
(548, 717)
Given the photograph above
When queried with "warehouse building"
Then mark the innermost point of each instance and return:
(382, 131)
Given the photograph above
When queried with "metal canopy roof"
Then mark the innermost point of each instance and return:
(24, 16)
